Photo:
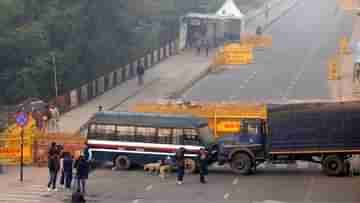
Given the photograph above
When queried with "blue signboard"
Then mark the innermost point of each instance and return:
(21, 119)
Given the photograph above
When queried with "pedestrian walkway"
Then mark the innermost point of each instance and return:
(167, 78)
(32, 190)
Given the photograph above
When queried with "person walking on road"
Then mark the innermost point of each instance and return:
(53, 165)
(198, 46)
(207, 47)
(180, 164)
(54, 119)
(203, 163)
(140, 74)
(82, 173)
(258, 30)
(68, 164)
(61, 168)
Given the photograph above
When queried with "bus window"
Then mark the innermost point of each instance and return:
(93, 132)
(144, 134)
(125, 133)
(177, 136)
(164, 136)
(191, 137)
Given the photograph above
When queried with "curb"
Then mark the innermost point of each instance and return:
(178, 93)
(138, 91)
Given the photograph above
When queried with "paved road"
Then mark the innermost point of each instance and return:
(278, 185)
(301, 183)
(294, 68)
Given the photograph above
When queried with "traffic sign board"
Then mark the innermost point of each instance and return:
(21, 119)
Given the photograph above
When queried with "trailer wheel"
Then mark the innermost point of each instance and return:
(241, 164)
(333, 165)
(190, 166)
(122, 163)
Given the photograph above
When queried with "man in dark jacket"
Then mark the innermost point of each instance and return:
(53, 165)
(82, 173)
(68, 169)
(180, 164)
(140, 74)
(203, 164)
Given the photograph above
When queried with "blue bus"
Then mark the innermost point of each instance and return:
(128, 139)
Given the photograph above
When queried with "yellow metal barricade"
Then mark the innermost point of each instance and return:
(10, 150)
(256, 41)
(227, 116)
(344, 46)
(347, 4)
(235, 54)
(334, 72)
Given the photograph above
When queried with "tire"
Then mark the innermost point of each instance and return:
(333, 165)
(122, 163)
(190, 166)
(241, 164)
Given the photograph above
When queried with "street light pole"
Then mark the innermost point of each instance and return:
(22, 155)
(55, 73)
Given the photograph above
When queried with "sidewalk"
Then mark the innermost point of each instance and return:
(163, 80)
(348, 90)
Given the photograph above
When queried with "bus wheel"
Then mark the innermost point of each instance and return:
(241, 164)
(333, 165)
(122, 163)
(190, 166)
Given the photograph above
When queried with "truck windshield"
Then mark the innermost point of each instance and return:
(250, 127)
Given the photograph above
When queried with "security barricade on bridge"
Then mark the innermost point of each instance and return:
(10, 150)
(71, 143)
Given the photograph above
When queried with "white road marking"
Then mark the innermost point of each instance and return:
(309, 190)
(235, 181)
(136, 201)
(149, 187)
(18, 200)
(25, 196)
(226, 196)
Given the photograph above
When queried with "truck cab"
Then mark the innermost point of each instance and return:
(245, 149)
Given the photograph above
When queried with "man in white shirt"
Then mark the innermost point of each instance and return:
(54, 120)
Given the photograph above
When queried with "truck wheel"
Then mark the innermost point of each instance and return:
(122, 163)
(333, 165)
(190, 166)
(241, 164)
